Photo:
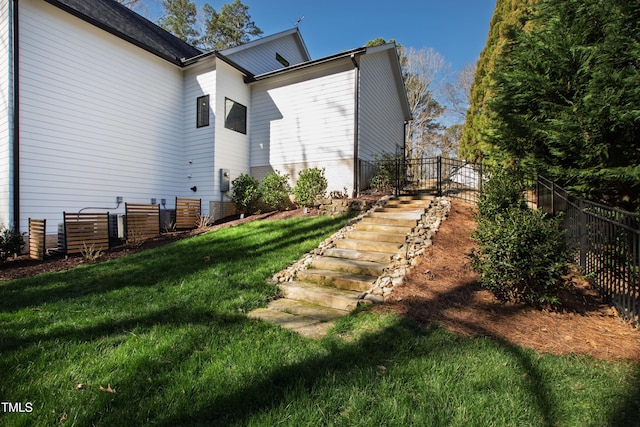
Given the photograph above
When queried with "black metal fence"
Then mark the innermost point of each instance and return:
(605, 241)
(439, 175)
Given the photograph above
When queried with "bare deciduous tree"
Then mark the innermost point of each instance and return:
(424, 72)
(457, 93)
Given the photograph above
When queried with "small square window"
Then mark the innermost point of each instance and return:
(235, 116)
(202, 111)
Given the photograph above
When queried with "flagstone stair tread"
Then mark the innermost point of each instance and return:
(380, 257)
(338, 279)
(305, 326)
(326, 296)
(341, 265)
(376, 236)
(367, 245)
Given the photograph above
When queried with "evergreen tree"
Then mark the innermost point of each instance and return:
(566, 97)
(231, 27)
(180, 19)
(509, 16)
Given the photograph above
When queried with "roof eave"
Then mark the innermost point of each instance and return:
(308, 64)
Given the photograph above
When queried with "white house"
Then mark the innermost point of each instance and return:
(100, 103)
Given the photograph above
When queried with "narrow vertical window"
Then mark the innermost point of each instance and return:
(202, 111)
(235, 116)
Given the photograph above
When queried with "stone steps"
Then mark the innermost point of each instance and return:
(332, 285)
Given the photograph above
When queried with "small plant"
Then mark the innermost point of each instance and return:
(135, 238)
(169, 226)
(275, 190)
(203, 221)
(310, 186)
(90, 253)
(11, 242)
(245, 193)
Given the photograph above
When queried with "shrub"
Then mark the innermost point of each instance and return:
(522, 254)
(275, 190)
(387, 173)
(245, 193)
(504, 190)
(11, 242)
(310, 186)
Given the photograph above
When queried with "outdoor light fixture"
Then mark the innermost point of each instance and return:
(194, 188)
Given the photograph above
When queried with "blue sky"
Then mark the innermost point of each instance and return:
(457, 29)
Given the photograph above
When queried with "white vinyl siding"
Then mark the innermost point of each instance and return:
(303, 120)
(5, 115)
(262, 58)
(99, 118)
(381, 117)
(231, 147)
(198, 160)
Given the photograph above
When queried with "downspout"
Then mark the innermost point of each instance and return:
(14, 138)
(356, 123)
(404, 143)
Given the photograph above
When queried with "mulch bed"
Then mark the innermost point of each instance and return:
(443, 289)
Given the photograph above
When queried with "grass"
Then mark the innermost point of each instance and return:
(166, 329)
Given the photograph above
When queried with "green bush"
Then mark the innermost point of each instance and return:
(522, 253)
(504, 190)
(310, 186)
(521, 256)
(387, 173)
(245, 193)
(11, 242)
(275, 190)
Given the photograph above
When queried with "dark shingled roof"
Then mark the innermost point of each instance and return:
(122, 22)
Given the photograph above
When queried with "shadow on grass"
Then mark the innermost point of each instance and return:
(401, 342)
(171, 262)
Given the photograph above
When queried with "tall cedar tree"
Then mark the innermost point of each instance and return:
(566, 97)
(509, 16)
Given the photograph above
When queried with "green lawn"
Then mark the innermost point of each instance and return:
(166, 329)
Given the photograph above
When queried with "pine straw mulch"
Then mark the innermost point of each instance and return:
(443, 289)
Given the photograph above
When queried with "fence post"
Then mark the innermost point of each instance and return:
(553, 198)
(397, 176)
(538, 191)
(582, 232)
(439, 185)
